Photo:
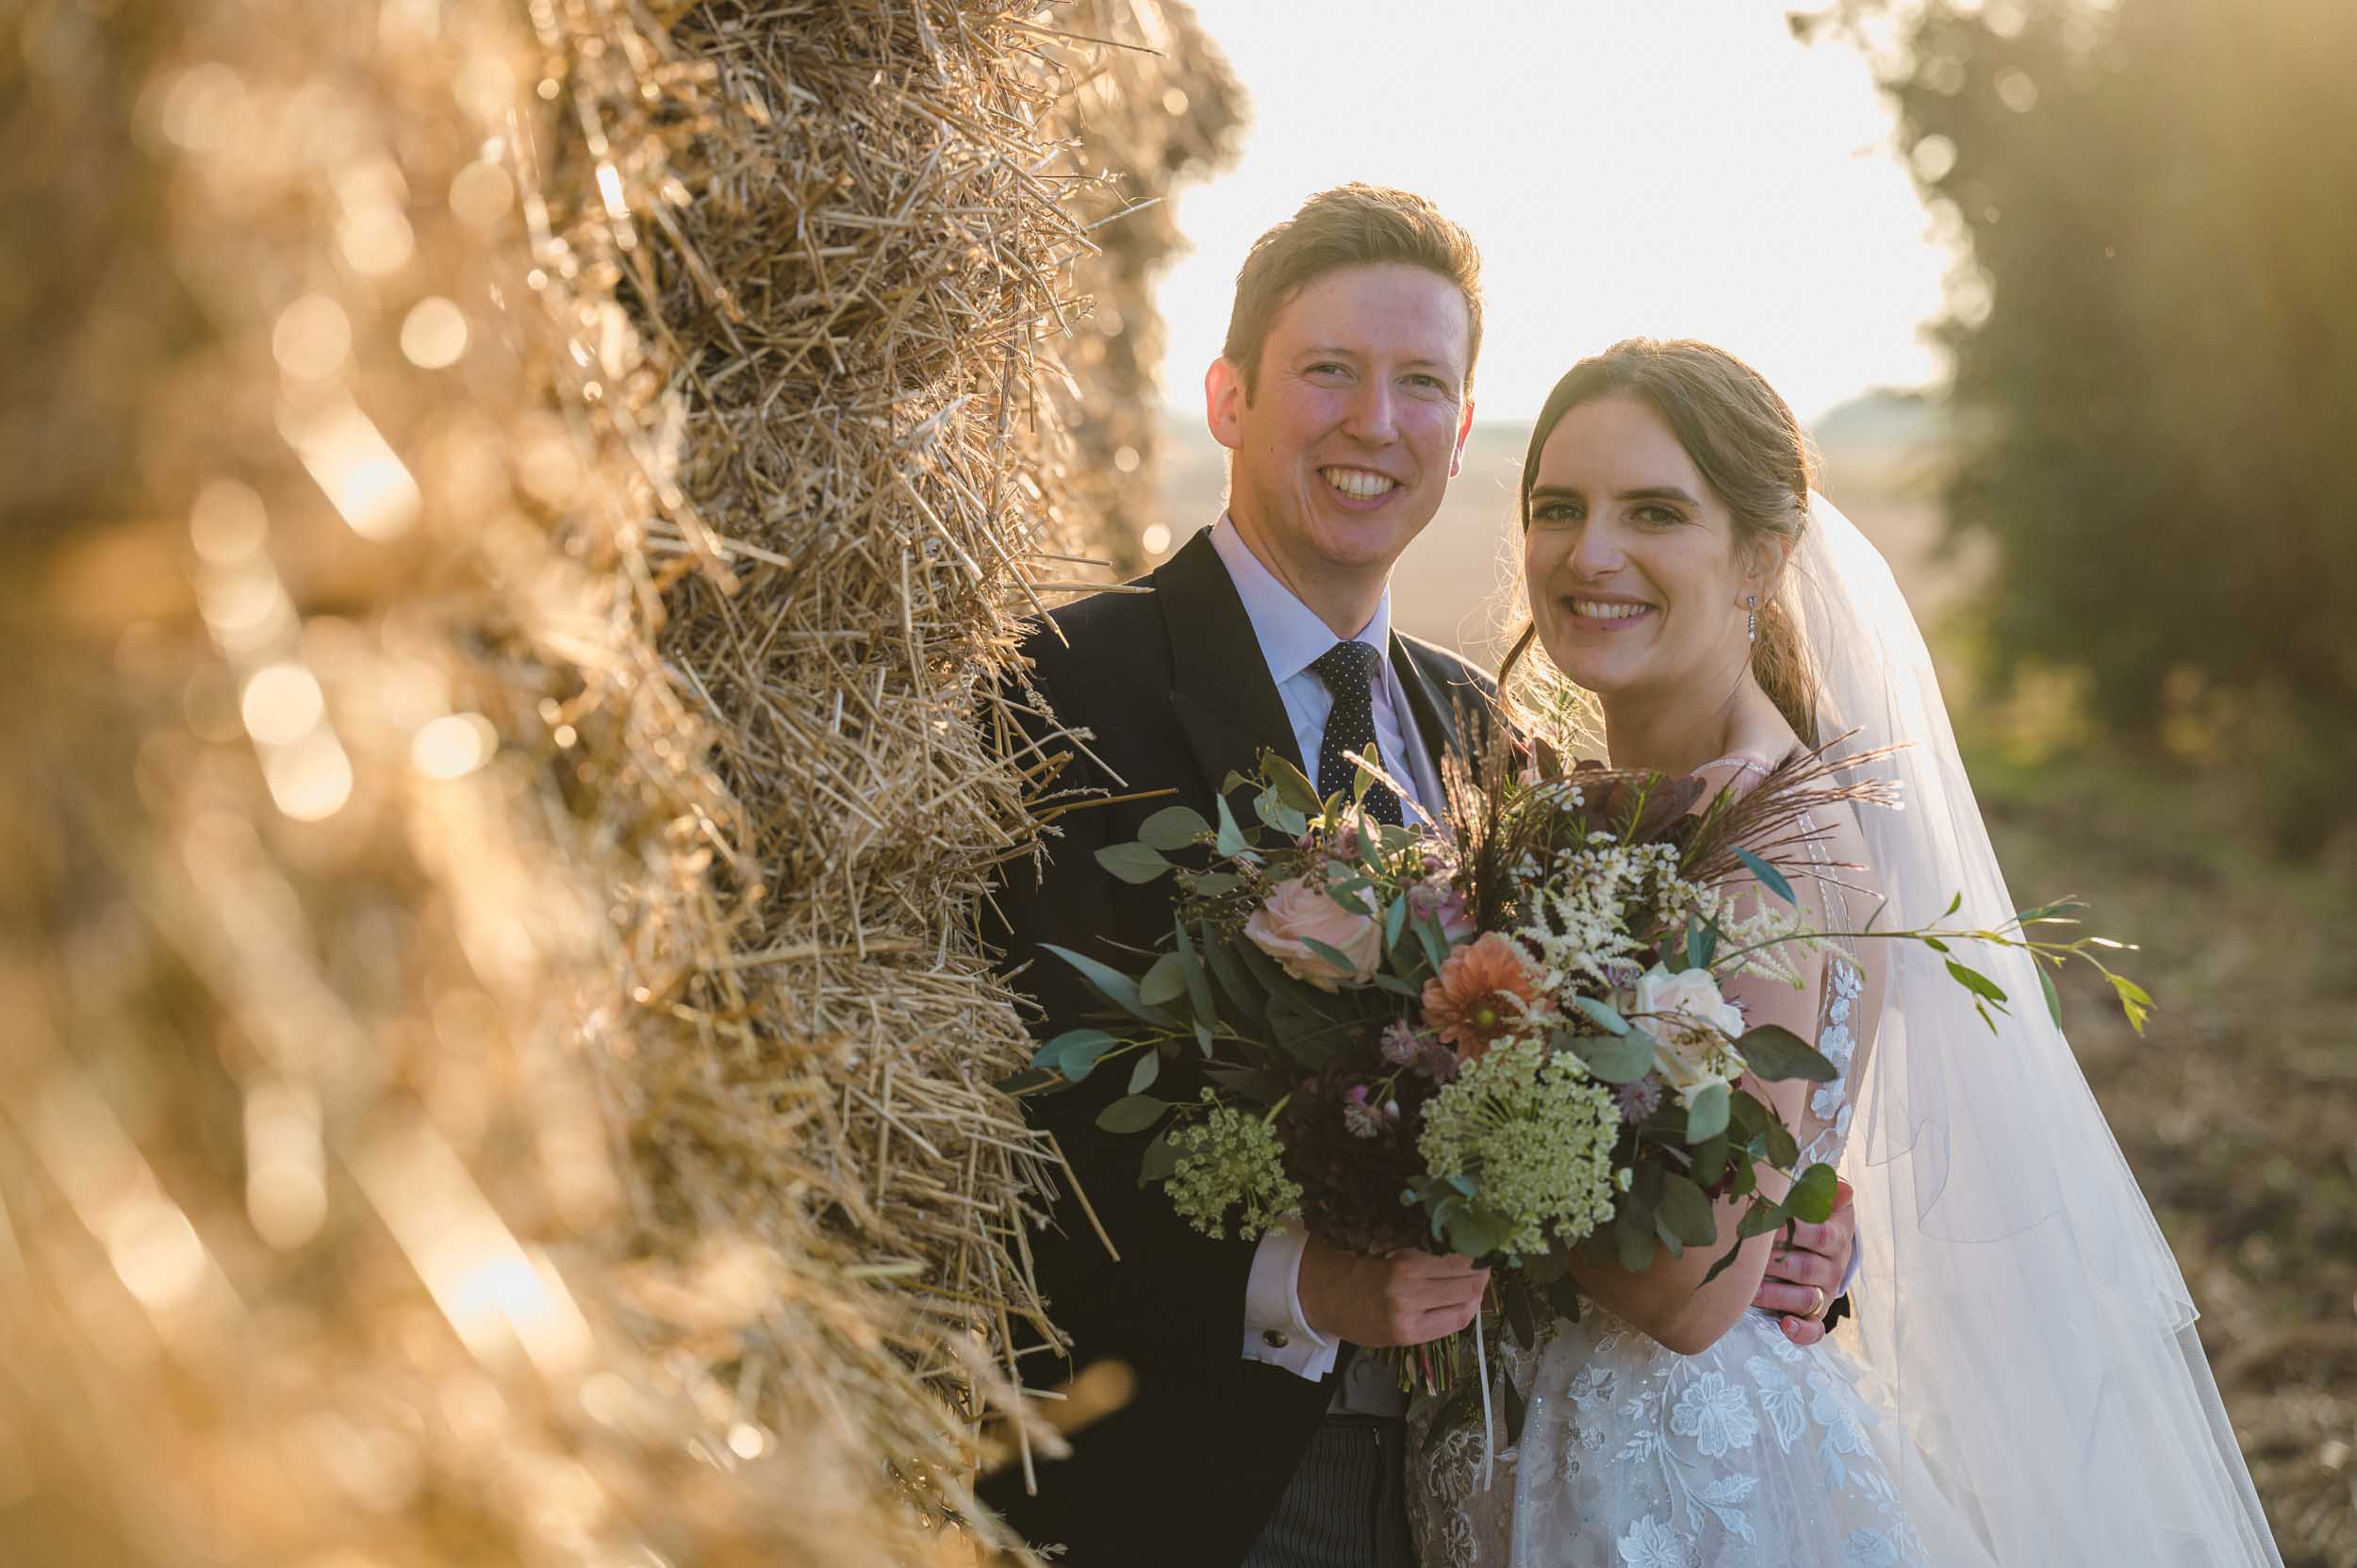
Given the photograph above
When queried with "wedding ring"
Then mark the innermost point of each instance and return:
(1819, 1310)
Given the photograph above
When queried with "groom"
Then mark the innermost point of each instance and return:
(1343, 394)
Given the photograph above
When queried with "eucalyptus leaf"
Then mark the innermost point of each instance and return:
(1613, 1058)
(1292, 784)
(1200, 1001)
(1078, 1061)
(1111, 985)
(1173, 828)
(1711, 1160)
(1684, 1212)
(1234, 979)
(1132, 863)
(1474, 1230)
(1633, 1239)
(1212, 884)
(1340, 962)
(1071, 1039)
(1166, 982)
(1131, 1113)
(1768, 876)
(1702, 942)
(1812, 1196)
(1393, 919)
(1707, 1116)
(1231, 841)
(1148, 1069)
(1159, 1160)
(1775, 1053)
(1606, 1017)
(2053, 997)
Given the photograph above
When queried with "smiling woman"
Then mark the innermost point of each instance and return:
(1665, 488)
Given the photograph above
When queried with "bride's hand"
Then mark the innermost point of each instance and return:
(1404, 1299)
(1812, 1259)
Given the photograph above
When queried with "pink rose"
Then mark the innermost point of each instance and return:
(1299, 913)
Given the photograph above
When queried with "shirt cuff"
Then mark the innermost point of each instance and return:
(1274, 1330)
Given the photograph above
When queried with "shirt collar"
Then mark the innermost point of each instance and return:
(1291, 636)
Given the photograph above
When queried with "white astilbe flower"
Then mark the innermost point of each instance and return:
(1786, 932)
(1536, 1131)
(1577, 909)
(1230, 1157)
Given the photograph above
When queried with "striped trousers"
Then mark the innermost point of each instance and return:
(1346, 1506)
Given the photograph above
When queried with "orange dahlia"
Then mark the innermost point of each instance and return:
(1478, 995)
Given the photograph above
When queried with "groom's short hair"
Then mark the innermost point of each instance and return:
(1351, 225)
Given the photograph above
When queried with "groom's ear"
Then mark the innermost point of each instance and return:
(1465, 429)
(1222, 403)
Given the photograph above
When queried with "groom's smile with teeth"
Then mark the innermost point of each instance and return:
(1364, 484)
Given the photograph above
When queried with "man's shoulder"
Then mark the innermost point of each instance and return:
(1095, 634)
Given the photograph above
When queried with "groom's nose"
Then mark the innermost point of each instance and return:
(1371, 417)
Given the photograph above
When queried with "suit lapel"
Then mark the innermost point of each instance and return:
(1438, 722)
(1225, 704)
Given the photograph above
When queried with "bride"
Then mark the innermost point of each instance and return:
(2022, 1383)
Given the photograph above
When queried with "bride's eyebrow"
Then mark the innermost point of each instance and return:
(1658, 492)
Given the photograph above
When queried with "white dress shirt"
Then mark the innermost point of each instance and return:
(1292, 637)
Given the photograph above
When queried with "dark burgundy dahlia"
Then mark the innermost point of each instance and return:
(1354, 1155)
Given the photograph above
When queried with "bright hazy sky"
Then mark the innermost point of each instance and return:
(1675, 168)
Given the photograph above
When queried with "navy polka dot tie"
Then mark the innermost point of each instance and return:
(1348, 670)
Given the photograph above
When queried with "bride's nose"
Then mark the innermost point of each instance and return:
(1596, 554)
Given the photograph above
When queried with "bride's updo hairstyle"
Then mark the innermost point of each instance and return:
(1749, 449)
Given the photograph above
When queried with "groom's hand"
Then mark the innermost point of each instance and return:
(1405, 1299)
(1810, 1259)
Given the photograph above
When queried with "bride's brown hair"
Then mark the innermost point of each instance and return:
(1750, 450)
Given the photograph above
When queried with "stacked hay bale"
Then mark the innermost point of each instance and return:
(516, 510)
(1116, 430)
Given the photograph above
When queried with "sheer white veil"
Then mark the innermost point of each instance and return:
(2016, 1300)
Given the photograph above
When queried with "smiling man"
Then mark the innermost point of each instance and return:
(1257, 1434)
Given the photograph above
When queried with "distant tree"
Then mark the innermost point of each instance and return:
(2156, 363)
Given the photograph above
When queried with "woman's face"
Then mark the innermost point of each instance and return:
(1636, 586)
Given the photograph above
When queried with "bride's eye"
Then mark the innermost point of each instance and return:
(1554, 511)
(1660, 517)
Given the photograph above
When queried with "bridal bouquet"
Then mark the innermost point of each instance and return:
(1507, 1041)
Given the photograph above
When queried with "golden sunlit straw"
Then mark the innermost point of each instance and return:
(494, 999)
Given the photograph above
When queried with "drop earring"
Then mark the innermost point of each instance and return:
(1751, 616)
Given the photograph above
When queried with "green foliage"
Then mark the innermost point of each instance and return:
(2154, 392)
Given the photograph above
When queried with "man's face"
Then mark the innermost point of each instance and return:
(1356, 423)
